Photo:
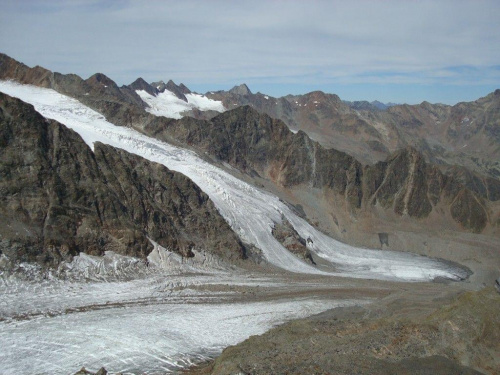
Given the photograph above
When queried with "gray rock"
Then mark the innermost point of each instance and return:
(240, 90)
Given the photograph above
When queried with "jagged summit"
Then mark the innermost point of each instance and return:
(141, 84)
(101, 78)
(179, 91)
(241, 90)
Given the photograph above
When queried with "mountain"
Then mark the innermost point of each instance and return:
(179, 91)
(241, 90)
(463, 135)
(234, 185)
(404, 183)
(60, 198)
(369, 106)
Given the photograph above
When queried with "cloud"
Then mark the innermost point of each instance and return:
(226, 42)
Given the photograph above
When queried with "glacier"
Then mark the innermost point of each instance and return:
(251, 212)
(129, 316)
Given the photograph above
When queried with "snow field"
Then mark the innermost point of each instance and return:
(168, 105)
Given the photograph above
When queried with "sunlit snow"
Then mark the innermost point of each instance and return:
(168, 105)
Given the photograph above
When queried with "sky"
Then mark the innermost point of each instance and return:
(388, 50)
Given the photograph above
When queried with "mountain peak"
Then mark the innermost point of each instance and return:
(101, 79)
(184, 89)
(141, 84)
(241, 90)
(176, 90)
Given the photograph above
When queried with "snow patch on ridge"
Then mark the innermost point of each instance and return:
(250, 212)
(168, 105)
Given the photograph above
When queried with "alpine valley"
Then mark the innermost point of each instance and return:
(151, 229)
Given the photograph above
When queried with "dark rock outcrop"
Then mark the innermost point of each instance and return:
(141, 84)
(58, 198)
(291, 240)
(84, 371)
(178, 90)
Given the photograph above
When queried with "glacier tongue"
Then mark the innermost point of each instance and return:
(250, 212)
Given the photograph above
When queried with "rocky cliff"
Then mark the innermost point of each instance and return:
(58, 198)
(404, 183)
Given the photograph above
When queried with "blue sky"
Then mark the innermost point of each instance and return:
(398, 51)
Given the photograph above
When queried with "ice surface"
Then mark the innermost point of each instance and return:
(168, 105)
(154, 325)
(251, 212)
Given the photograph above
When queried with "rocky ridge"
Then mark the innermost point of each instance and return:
(465, 134)
(59, 198)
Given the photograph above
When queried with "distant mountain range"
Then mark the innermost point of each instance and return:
(464, 135)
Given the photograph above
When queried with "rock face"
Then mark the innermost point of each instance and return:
(141, 84)
(241, 90)
(179, 91)
(58, 198)
(290, 239)
(404, 183)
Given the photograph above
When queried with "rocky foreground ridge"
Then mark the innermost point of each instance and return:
(404, 334)
(58, 198)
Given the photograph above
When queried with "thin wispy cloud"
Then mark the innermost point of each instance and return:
(274, 45)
